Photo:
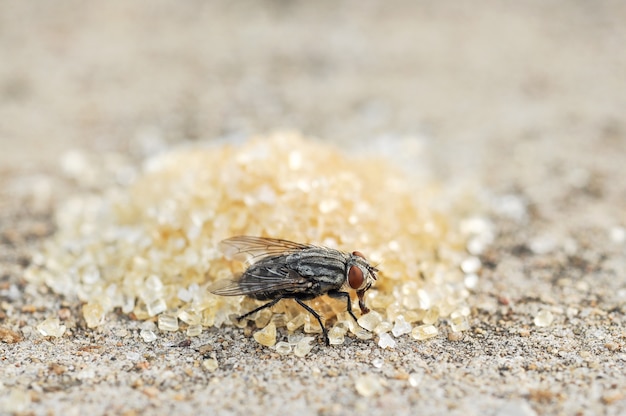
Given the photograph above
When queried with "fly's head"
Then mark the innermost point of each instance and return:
(360, 276)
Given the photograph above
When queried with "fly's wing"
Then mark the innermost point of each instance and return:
(249, 250)
(263, 277)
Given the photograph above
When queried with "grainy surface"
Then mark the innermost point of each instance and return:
(526, 98)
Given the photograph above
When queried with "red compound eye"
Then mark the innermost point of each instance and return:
(355, 277)
(358, 254)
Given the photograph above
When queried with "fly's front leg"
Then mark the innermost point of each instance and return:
(338, 295)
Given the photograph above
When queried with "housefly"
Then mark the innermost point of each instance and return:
(281, 269)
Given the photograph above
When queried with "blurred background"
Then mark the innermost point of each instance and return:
(523, 99)
(479, 81)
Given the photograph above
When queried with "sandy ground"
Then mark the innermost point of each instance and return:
(526, 98)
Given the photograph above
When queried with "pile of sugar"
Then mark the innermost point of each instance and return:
(151, 248)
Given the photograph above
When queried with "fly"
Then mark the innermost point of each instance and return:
(281, 269)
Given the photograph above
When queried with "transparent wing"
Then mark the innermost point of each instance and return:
(249, 249)
(261, 279)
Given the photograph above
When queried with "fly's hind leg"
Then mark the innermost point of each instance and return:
(317, 316)
(267, 305)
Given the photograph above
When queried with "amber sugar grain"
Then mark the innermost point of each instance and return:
(151, 248)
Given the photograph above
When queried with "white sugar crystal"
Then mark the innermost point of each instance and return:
(401, 327)
(303, 347)
(147, 335)
(415, 379)
(544, 318)
(294, 338)
(378, 362)
(168, 322)
(156, 307)
(471, 265)
(385, 341)
(368, 385)
(184, 295)
(51, 327)
(336, 335)
(511, 206)
(282, 348)
(618, 234)
(210, 364)
(459, 323)
(194, 330)
(470, 280)
(543, 244)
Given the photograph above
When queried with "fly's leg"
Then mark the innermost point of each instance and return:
(316, 315)
(338, 295)
(267, 305)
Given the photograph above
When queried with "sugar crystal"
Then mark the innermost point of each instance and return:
(184, 294)
(189, 316)
(264, 317)
(294, 338)
(470, 281)
(544, 318)
(617, 234)
(279, 319)
(311, 326)
(210, 364)
(147, 335)
(336, 335)
(423, 332)
(267, 335)
(383, 327)
(459, 323)
(385, 341)
(51, 327)
(194, 330)
(296, 322)
(361, 333)
(93, 314)
(401, 327)
(432, 315)
(303, 347)
(156, 307)
(368, 385)
(168, 322)
(370, 321)
(471, 265)
(415, 379)
(282, 348)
